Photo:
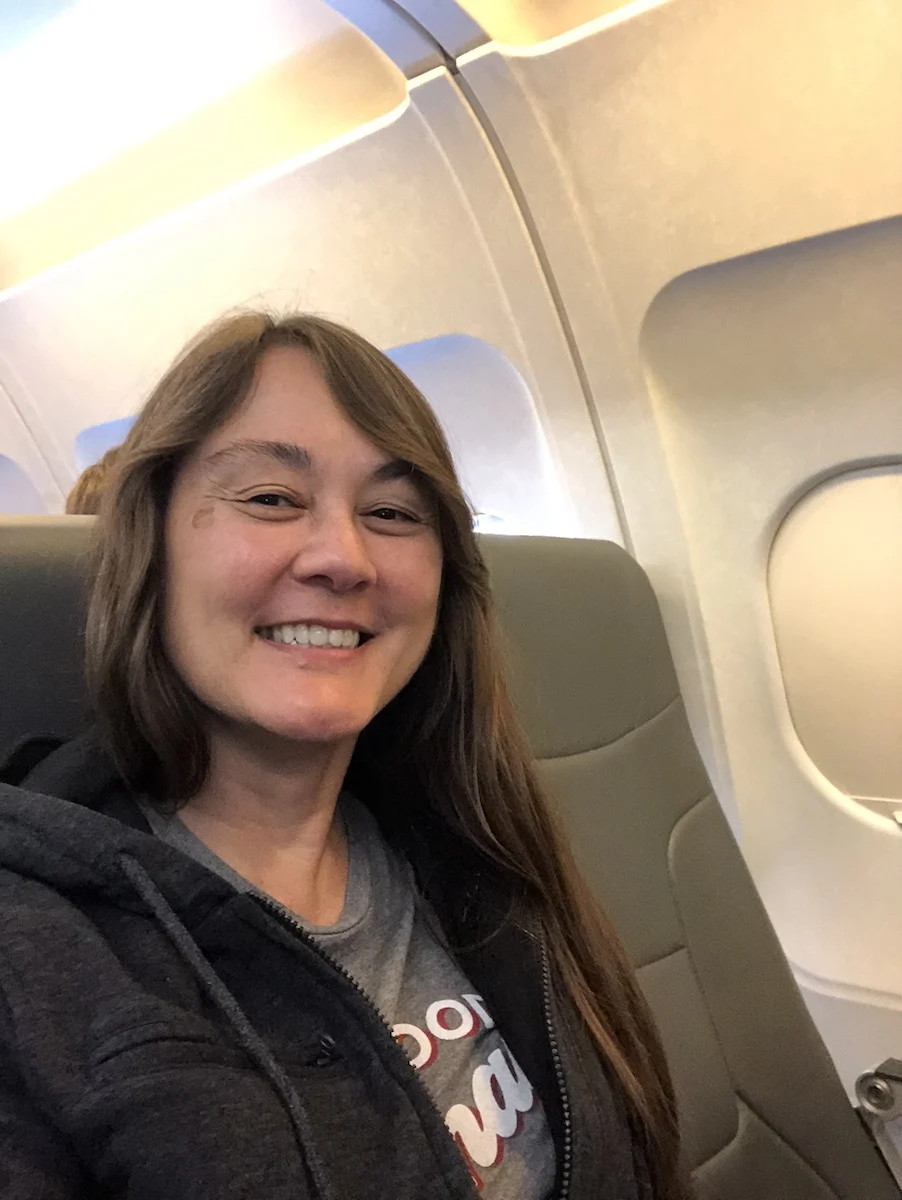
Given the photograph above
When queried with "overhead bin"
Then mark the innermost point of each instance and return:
(125, 114)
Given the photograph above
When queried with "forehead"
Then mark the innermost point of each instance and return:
(290, 402)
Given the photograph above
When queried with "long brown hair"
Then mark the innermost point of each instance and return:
(88, 490)
(468, 762)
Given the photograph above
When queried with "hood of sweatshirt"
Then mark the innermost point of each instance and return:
(68, 820)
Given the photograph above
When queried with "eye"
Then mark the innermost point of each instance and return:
(386, 513)
(271, 500)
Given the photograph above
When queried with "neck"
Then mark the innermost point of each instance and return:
(269, 812)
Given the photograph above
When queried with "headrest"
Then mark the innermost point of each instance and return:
(587, 652)
(43, 577)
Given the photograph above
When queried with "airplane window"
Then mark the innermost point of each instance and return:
(494, 431)
(92, 443)
(18, 495)
(835, 586)
(490, 420)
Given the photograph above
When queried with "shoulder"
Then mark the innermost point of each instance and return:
(21, 895)
(36, 920)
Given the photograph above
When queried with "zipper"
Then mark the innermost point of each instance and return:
(285, 919)
(566, 1161)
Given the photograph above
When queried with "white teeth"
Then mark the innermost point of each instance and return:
(311, 635)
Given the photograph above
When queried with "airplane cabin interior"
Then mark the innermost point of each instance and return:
(645, 262)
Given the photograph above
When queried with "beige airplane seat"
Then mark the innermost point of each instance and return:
(764, 1114)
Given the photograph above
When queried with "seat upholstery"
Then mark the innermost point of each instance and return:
(764, 1114)
(43, 576)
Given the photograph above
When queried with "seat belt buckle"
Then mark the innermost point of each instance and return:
(879, 1094)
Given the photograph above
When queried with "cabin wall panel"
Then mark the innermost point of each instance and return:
(695, 133)
(408, 233)
(27, 441)
(767, 371)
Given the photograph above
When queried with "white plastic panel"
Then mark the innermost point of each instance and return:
(18, 495)
(451, 26)
(698, 130)
(553, 379)
(29, 483)
(100, 148)
(530, 23)
(690, 134)
(767, 372)
(403, 255)
(404, 41)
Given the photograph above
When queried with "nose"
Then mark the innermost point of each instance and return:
(334, 553)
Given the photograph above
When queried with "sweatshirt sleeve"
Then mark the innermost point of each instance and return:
(34, 1161)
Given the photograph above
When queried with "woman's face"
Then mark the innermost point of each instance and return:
(303, 566)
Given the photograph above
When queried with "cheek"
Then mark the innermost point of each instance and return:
(417, 594)
(210, 572)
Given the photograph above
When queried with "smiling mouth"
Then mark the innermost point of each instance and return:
(313, 635)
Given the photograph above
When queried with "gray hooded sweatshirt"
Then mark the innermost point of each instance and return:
(166, 1036)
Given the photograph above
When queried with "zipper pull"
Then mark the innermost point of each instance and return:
(327, 1053)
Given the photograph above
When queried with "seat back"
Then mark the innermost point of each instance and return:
(764, 1114)
(43, 576)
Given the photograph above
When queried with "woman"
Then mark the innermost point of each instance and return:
(294, 920)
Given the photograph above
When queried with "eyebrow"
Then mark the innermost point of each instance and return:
(288, 454)
(397, 468)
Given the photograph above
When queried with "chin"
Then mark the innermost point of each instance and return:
(319, 727)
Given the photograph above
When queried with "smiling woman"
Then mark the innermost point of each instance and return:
(310, 532)
(306, 840)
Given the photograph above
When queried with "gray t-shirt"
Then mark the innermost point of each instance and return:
(385, 941)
